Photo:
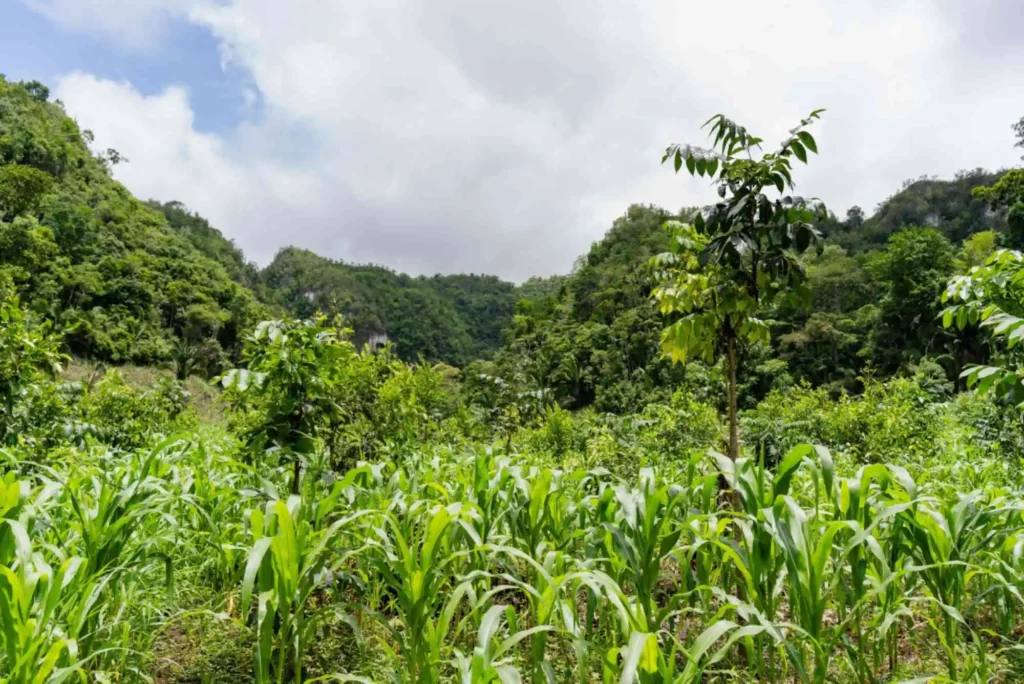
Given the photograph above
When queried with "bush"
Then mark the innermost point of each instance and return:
(786, 418)
(888, 422)
(678, 428)
(119, 415)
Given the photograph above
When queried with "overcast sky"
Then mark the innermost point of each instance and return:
(505, 136)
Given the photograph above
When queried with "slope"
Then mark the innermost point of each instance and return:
(454, 318)
(79, 248)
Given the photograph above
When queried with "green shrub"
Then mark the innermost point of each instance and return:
(785, 418)
(888, 422)
(122, 416)
(678, 428)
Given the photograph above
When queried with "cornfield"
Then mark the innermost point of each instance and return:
(472, 566)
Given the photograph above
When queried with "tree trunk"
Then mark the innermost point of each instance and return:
(296, 474)
(734, 427)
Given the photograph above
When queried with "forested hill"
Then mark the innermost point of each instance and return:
(875, 286)
(210, 241)
(946, 205)
(106, 267)
(451, 318)
(152, 283)
(454, 318)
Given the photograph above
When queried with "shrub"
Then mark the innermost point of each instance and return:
(889, 421)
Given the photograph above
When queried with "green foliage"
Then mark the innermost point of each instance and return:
(305, 388)
(152, 283)
(209, 241)
(29, 352)
(580, 547)
(912, 270)
(740, 255)
(592, 338)
(550, 511)
(1008, 194)
(114, 413)
(454, 319)
(84, 252)
(990, 296)
(976, 250)
(293, 369)
(948, 206)
(888, 421)
(22, 189)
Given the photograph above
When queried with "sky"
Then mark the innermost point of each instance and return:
(504, 137)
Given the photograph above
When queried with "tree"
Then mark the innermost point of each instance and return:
(293, 367)
(29, 352)
(37, 90)
(976, 250)
(21, 189)
(992, 295)
(739, 256)
(854, 218)
(1008, 193)
(910, 275)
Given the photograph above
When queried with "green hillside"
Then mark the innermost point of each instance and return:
(150, 282)
(84, 252)
(946, 205)
(443, 318)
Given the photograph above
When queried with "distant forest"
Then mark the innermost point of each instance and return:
(146, 282)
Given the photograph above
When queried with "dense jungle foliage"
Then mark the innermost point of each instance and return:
(749, 441)
(151, 283)
(451, 318)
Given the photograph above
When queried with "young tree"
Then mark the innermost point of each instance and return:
(992, 295)
(909, 276)
(293, 369)
(738, 258)
(29, 352)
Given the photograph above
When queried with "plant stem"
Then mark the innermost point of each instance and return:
(734, 430)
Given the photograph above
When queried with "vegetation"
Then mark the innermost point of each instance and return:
(586, 547)
(516, 490)
(454, 319)
(136, 280)
(740, 256)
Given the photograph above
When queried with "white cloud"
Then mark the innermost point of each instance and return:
(252, 198)
(138, 24)
(443, 135)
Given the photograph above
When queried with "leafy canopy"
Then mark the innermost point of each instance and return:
(740, 254)
(992, 295)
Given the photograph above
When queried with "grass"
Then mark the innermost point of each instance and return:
(204, 397)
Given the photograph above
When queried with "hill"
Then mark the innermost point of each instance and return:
(83, 251)
(147, 282)
(453, 318)
(209, 241)
(945, 205)
(593, 335)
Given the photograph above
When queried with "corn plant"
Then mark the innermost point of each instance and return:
(414, 558)
(284, 568)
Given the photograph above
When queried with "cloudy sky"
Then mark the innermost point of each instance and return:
(504, 136)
